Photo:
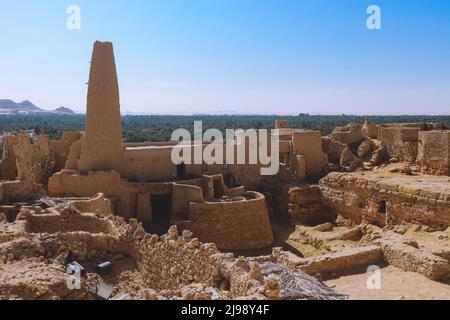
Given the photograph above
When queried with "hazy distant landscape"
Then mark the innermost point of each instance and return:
(139, 128)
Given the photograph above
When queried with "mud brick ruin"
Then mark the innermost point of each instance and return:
(362, 196)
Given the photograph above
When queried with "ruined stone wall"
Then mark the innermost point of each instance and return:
(74, 155)
(29, 160)
(170, 265)
(401, 142)
(434, 152)
(235, 225)
(122, 194)
(333, 149)
(68, 220)
(35, 159)
(305, 205)
(98, 204)
(8, 168)
(172, 261)
(61, 148)
(349, 135)
(370, 130)
(17, 191)
(131, 200)
(384, 199)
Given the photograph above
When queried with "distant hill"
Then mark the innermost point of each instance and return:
(63, 110)
(26, 107)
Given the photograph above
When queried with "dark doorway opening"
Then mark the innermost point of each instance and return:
(161, 213)
(181, 171)
(382, 207)
(218, 189)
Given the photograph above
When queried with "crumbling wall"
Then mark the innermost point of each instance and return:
(33, 164)
(70, 184)
(61, 148)
(8, 167)
(98, 204)
(383, 198)
(350, 134)
(35, 159)
(67, 220)
(401, 142)
(74, 155)
(405, 254)
(333, 149)
(370, 130)
(305, 205)
(28, 159)
(170, 265)
(434, 152)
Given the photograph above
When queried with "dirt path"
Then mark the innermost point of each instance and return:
(395, 284)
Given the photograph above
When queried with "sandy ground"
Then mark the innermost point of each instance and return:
(395, 285)
(430, 240)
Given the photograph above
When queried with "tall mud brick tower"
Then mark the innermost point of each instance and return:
(101, 149)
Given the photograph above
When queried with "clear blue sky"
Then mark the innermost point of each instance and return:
(247, 56)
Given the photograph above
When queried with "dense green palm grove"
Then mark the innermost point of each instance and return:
(159, 128)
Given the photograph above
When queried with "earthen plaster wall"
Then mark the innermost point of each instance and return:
(69, 184)
(434, 152)
(309, 145)
(237, 225)
(61, 148)
(8, 168)
(401, 142)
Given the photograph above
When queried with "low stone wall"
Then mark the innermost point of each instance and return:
(97, 204)
(70, 184)
(20, 191)
(399, 252)
(384, 198)
(68, 220)
(344, 261)
(234, 225)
